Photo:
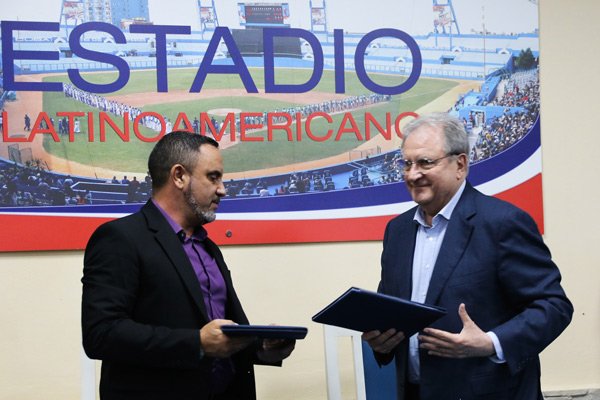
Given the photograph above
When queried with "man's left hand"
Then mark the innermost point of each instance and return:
(275, 350)
(470, 342)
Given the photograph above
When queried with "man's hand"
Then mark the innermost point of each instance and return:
(470, 342)
(275, 350)
(218, 345)
(383, 342)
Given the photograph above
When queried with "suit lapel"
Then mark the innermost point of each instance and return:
(173, 249)
(405, 260)
(458, 235)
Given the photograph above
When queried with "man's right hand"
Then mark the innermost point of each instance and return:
(384, 342)
(218, 345)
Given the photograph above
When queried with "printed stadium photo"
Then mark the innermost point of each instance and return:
(306, 101)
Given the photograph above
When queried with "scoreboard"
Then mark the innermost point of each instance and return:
(254, 17)
(264, 14)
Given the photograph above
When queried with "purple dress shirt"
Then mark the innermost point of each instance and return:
(214, 291)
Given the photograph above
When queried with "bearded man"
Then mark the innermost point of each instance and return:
(156, 290)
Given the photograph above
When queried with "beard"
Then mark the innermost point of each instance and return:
(204, 216)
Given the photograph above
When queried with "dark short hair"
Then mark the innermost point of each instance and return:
(177, 147)
(455, 135)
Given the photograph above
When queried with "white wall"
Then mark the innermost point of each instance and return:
(40, 292)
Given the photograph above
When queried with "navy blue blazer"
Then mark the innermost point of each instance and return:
(142, 309)
(494, 260)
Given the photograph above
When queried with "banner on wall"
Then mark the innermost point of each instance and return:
(306, 99)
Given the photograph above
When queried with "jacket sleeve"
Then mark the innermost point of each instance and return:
(531, 282)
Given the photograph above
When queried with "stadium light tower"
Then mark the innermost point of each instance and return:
(445, 17)
(71, 14)
(207, 13)
(318, 16)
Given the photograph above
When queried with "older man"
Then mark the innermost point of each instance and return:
(480, 258)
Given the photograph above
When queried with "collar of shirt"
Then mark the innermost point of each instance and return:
(199, 233)
(445, 212)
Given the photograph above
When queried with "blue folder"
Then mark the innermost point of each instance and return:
(364, 311)
(266, 331)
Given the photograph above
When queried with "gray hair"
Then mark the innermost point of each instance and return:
(456, 140)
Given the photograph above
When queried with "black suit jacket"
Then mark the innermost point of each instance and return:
(494, 260)
(142, 309)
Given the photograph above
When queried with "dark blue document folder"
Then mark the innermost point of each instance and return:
(364, 311)
(266, 331)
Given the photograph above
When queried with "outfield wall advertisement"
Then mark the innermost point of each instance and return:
(307, 100)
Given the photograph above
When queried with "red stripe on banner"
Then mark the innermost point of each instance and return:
(298, 231)
(34, 232)
(528, 196)
(37, 232)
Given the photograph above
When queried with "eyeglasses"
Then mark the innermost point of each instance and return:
(423, 164)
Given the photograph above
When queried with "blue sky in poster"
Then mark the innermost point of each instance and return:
(413, 16)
